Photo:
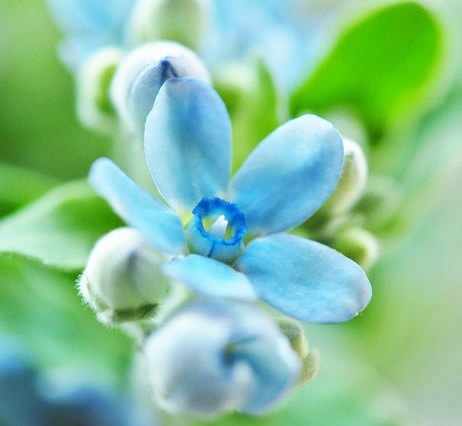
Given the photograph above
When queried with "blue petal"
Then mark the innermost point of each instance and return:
(144, 90)
(89, 25)
(157, 223)
(142, 73)
(188, 142)
(275, 368)
(289, 175)
(90, 16)
(305, 279)
(210, 277)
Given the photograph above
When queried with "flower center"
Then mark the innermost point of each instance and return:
(217, 230)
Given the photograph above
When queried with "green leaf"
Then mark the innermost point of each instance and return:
(60, 228)
(19, 186)
(252, 100)
(38, 124)
(382, 68)
(42, 315)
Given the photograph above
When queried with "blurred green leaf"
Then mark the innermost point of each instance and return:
(382, 68)
(60, 228)
(19, 186)
(41, 313)
(38, 124)
(252, 100)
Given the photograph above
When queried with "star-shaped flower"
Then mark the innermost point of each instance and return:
(225, 236)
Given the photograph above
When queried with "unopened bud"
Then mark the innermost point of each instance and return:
(359, 245)
(94, 106)
(143, 72)
(352, 181)
(122, 280)
(182, 21)
(294, 332)
(380, 204)
(211, 358)
(309, 359)
(310, 367)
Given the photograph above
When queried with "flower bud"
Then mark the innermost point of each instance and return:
(182, 21)
(294, 332)
(122, 280)
(352, 180)
(359, 245)
(94, 106)
(381, 203)
(212, 358)
(143, 72)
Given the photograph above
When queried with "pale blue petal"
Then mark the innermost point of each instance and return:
(275, 368)
(89, 25)
(144, 90)
(213, 357)
(305, 279)
(289, 175)
(142, 73)
(90, 16)
(210, 277)
(188, 142)
(157, 223)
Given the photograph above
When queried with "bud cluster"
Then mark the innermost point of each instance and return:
(201, 358)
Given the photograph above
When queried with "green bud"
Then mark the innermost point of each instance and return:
(122, 280)
(235, 82)
(310, 367)
(94, 106)
(182, 21)
(359, 245)
(294, 332)
(380, 203)
(352, 180)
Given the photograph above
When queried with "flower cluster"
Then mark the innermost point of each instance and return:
(213, 268)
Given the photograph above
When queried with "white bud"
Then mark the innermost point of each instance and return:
(182, 21)
(94, 106)
(138, 78)
(211, 358)
(352, 180)
(122, 280)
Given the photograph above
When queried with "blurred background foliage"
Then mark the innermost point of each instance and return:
(392, 80)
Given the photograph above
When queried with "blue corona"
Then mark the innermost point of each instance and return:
(217, 230)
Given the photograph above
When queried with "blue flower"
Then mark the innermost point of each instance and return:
(26, 400)
(214, 357)
(278, 31)
(225, 237)
(89, 25)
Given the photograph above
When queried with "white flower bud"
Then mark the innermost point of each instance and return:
(122, 280)
(94, 106)
(352, 180)
(142, 73)
(182, 21)
(211, 358)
